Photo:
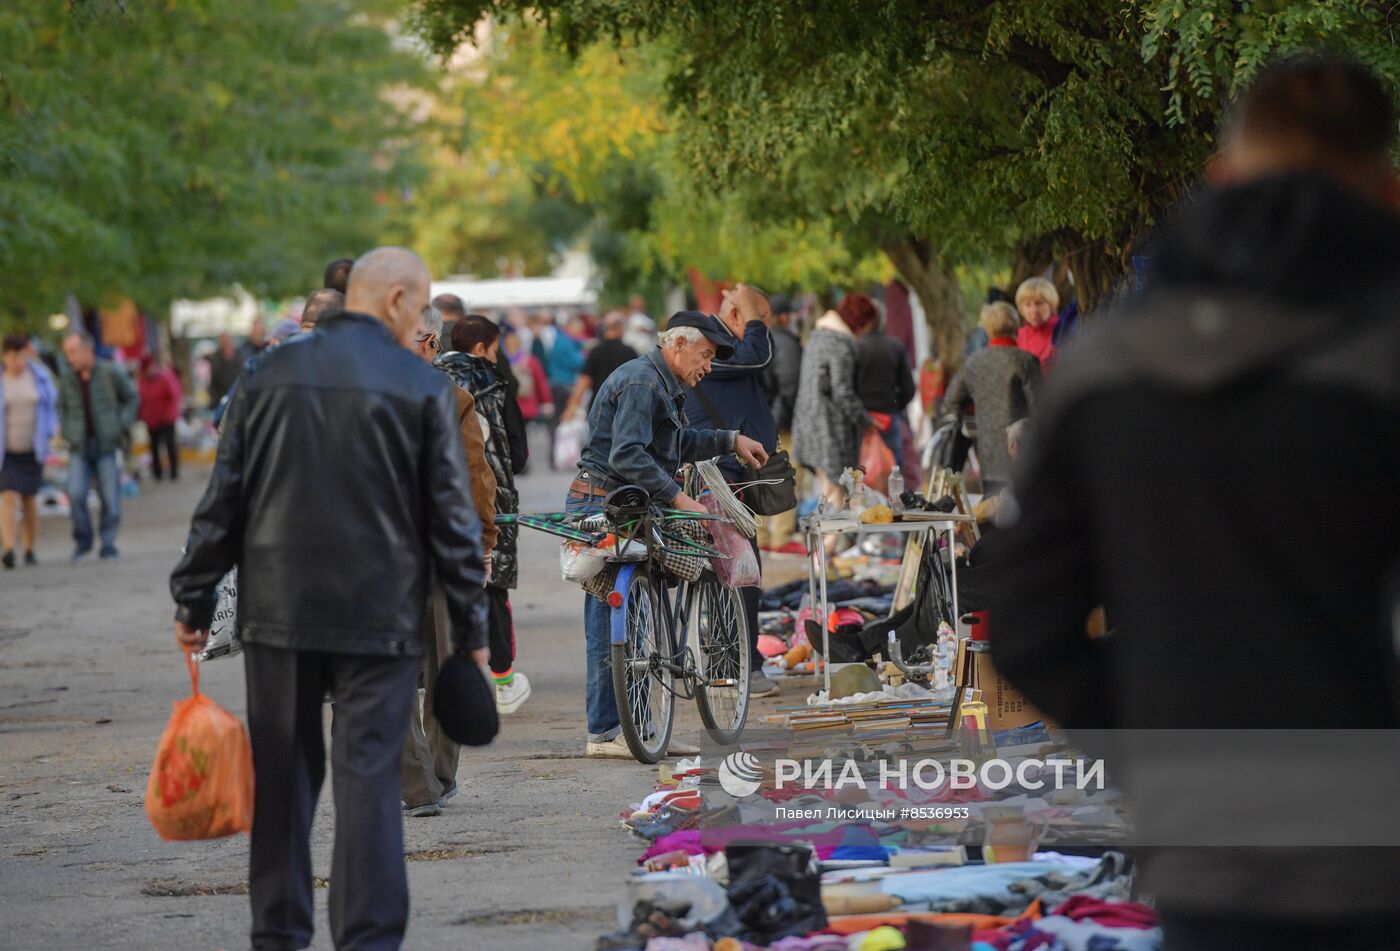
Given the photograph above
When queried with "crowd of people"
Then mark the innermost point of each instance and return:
(1150, 430)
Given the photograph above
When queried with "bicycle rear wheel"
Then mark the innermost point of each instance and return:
(641, 683)
(723, 634)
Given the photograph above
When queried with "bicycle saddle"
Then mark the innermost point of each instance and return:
(626, 503)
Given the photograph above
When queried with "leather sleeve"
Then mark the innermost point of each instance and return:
(216, 531)
(454, 531)
(483, 479)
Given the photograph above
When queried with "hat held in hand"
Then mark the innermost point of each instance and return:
(464, 702)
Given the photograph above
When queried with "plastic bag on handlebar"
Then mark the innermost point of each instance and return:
(739, 566)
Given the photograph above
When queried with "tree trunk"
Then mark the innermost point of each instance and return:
(1097, 271)
(1033, 257)
(924, 270)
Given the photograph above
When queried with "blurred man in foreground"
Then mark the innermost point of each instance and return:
(334, 530)
(1184, 453)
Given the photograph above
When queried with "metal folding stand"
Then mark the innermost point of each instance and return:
(816, 528)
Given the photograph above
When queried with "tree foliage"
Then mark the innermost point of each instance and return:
(543, 150)
(172, 149)
(950, 129)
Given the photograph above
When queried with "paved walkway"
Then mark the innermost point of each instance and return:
(528, 857)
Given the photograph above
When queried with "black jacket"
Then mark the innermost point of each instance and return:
(340, 481)
(884, 382)
(1218, 465)
(782, 375)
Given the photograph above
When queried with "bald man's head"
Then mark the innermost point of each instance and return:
(393, 285)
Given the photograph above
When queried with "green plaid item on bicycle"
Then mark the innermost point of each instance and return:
(679, 567)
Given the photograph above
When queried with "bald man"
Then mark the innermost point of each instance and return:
(340, 483)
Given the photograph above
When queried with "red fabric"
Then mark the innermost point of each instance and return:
(1109, 914)
(899, 318)
(1038, 340)
(160, 399)
(1002, 342)
(882, 421)
(933, 383)
(532, 397)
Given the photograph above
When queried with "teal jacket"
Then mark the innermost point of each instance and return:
(114, 404)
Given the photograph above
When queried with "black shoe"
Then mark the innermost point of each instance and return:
(8, 559)
(29, 559)
(108, 554)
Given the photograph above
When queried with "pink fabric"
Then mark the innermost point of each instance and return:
(1038, 340)
(1109, 914)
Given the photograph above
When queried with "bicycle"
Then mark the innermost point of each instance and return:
(694, 645)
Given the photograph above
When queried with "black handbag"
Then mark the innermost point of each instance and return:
(775, 484)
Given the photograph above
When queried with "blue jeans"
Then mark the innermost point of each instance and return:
(83, 469)
(600, 702)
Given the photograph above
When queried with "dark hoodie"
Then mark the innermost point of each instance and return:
(1219, 465)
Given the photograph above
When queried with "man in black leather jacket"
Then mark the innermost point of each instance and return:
(340, 479)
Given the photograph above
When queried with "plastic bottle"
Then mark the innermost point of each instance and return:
(896, 487)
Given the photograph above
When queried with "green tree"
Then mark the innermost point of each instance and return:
(535, 150)
(167, 150)
(946, 130)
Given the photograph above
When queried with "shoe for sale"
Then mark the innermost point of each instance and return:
(510, 697)
(30, 560)
(760, 685)
(8, 559)
(427, 809)
(616, 748)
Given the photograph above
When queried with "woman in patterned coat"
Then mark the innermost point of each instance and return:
(1002, 381)
(829, 419)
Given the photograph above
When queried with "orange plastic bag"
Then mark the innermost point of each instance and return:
(201, 784)
(877, 460)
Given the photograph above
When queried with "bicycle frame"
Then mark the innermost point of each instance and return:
(675, 614)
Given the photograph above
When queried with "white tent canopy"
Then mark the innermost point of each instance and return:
(520, 292)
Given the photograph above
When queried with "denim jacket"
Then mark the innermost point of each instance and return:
(639, 432)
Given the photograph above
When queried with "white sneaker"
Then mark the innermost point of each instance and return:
(616, 748)
(677, 748)
(510, 697)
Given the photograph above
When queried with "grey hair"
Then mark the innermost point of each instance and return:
(83, 337)
(1015, 431)
(432, 320)
(668, 338)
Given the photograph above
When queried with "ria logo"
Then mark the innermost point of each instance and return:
(739, 774)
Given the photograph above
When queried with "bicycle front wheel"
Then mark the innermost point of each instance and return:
(723, 692)
(642, 684)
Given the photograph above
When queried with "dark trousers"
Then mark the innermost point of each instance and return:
(429, 755)
(559, 393)
(164, 438)
(751, 596)
(369, 886)
(500, 636)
